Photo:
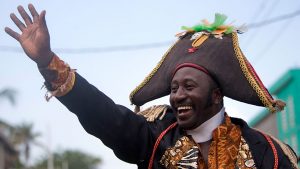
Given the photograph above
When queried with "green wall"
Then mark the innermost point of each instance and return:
(287, 88)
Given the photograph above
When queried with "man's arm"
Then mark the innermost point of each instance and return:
(128, 134)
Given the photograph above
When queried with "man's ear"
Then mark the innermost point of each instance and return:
(217, 96)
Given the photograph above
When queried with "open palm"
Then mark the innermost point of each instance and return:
(34, 37)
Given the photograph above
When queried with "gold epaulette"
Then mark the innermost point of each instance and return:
(154, 112)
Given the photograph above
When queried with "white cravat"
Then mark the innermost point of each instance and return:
(203, 132)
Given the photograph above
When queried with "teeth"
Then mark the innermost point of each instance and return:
(184, 108)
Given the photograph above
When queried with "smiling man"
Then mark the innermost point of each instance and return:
(204, 65)
(197, 103)
(194, 96)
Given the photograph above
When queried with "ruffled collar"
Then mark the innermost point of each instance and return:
(204, 132)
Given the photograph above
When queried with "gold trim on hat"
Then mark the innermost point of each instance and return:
(253, 81)
(198, 41)
(147, 79)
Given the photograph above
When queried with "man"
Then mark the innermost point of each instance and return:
(204, 65)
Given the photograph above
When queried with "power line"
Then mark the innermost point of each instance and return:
(266, 14)
(274, 20)
(270, 44)
(4, 48)
(96, 50)
(255, 17)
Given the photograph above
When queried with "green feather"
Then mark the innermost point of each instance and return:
(219, 20)
(186, 28)
(229, 30)
(200, 27)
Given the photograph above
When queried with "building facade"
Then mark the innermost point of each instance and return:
(284, 125)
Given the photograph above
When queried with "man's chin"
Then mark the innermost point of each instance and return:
(185, 125)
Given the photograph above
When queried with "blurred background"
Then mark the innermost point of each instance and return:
(114, 45)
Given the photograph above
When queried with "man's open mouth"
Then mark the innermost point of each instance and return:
(182, 108)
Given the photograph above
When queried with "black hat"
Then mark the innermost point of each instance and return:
(215, 48)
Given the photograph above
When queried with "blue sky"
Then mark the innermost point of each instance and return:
(272, 49)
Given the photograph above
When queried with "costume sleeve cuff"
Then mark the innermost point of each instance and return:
(60, 78)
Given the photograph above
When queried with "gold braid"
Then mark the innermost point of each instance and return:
(249, 76)
(147, 79)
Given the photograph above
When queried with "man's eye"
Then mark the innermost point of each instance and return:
(189, 87)
(174, 89)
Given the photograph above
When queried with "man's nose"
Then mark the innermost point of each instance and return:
(180, 95)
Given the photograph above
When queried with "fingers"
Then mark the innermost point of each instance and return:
(19, 24)
(24, 15)
(12, 33)
(37, 19)
(42, 19)
(33, 12)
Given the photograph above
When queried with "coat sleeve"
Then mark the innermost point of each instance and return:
(127, 134)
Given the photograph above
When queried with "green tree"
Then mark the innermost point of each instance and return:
(70, 159)
(7, 130)
(9, 94)
(12, 156)
(24, 137)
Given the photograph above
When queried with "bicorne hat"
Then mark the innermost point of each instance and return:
(215, 48)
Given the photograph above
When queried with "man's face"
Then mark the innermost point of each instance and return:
(191, 97)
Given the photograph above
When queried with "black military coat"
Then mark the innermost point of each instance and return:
(132, 138)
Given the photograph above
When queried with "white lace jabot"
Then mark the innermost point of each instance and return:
(203, 132)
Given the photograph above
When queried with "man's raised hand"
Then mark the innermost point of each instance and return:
(34, 37)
